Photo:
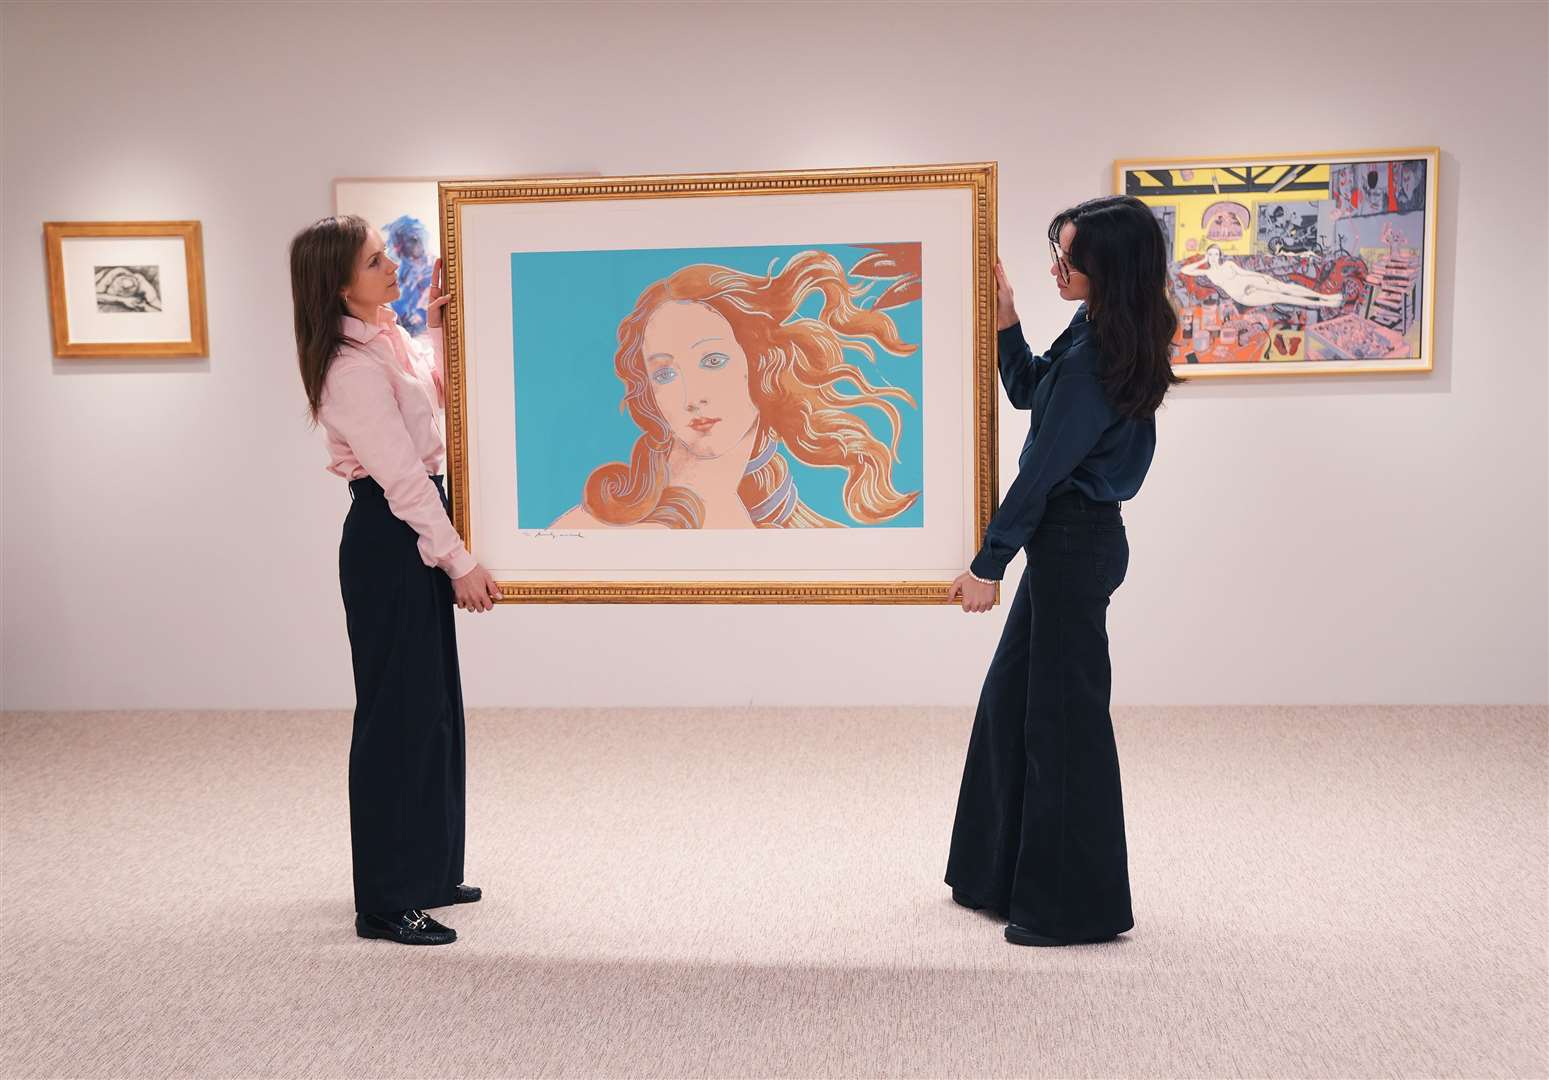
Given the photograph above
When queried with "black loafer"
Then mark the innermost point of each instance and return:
(1021, 935)
(466, 894)
(411, 927)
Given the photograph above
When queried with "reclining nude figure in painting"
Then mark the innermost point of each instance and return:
(1250, 288)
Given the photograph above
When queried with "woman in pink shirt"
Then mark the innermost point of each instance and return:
(379, 396)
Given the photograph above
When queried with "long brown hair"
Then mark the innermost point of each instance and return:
(795, 370)
(322, 263)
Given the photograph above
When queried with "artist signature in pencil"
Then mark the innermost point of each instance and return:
(550, 534)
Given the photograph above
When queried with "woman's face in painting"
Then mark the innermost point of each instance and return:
(699, 377)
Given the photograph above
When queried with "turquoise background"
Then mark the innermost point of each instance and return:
(566, 308)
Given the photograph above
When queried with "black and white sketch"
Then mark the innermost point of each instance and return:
(128, 289)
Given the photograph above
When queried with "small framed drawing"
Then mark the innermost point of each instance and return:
(1297, 264)
(727, 388)
(126, 289)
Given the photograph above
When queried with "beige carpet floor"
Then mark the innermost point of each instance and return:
(1324, 892)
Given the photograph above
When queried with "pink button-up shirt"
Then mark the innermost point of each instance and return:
(381, 409)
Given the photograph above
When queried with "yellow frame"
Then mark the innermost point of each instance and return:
(1432, 155)
(54, 234)
(978, 178)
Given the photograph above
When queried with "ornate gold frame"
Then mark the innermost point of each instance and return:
(978, 178)
(55, 232)
(1432, 155)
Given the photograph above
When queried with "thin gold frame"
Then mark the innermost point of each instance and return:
(198, 345)
(978, 178)
(1432, 155)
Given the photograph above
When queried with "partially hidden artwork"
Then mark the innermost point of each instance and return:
(783, 393)
(1308, 264)
(403, 211)
(128, 290)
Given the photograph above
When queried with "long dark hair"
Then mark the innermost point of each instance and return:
(322, 262)
(1120, 247)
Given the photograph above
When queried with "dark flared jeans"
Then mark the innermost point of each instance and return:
(1039, 834)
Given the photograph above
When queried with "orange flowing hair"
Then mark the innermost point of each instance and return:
(795, 367)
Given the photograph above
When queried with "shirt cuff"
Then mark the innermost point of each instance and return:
(437, 342)
(459, 563)
(987, 567)
(1010, 337)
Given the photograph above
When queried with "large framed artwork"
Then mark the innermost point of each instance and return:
(403, 210)
(129, 290)
(1297, 264)
(744, 388)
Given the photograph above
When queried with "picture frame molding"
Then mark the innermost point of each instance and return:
(1304, 369)
(979, 178)
(192, 235)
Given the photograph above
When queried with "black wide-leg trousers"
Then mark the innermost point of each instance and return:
(407, 752)
(1039, 833)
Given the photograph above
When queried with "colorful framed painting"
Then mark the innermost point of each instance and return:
(740, 388)
(130, 290)
(403, 210)
(1297, 264)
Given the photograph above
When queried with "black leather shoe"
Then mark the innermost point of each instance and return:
(412, 927)
(1021, 935)
(466, 894)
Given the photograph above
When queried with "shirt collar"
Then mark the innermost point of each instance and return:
(1079, 330)
(1080, 326)
(361, 332)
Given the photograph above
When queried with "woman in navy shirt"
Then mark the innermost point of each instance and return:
(1039, 834)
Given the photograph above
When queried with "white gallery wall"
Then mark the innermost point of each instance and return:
(170, 535)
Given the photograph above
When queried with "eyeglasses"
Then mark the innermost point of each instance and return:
(1062, 267)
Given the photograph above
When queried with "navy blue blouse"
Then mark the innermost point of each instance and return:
(1077, 442)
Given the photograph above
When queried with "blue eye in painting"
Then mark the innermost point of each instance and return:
(664, 375)
(715, 361)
